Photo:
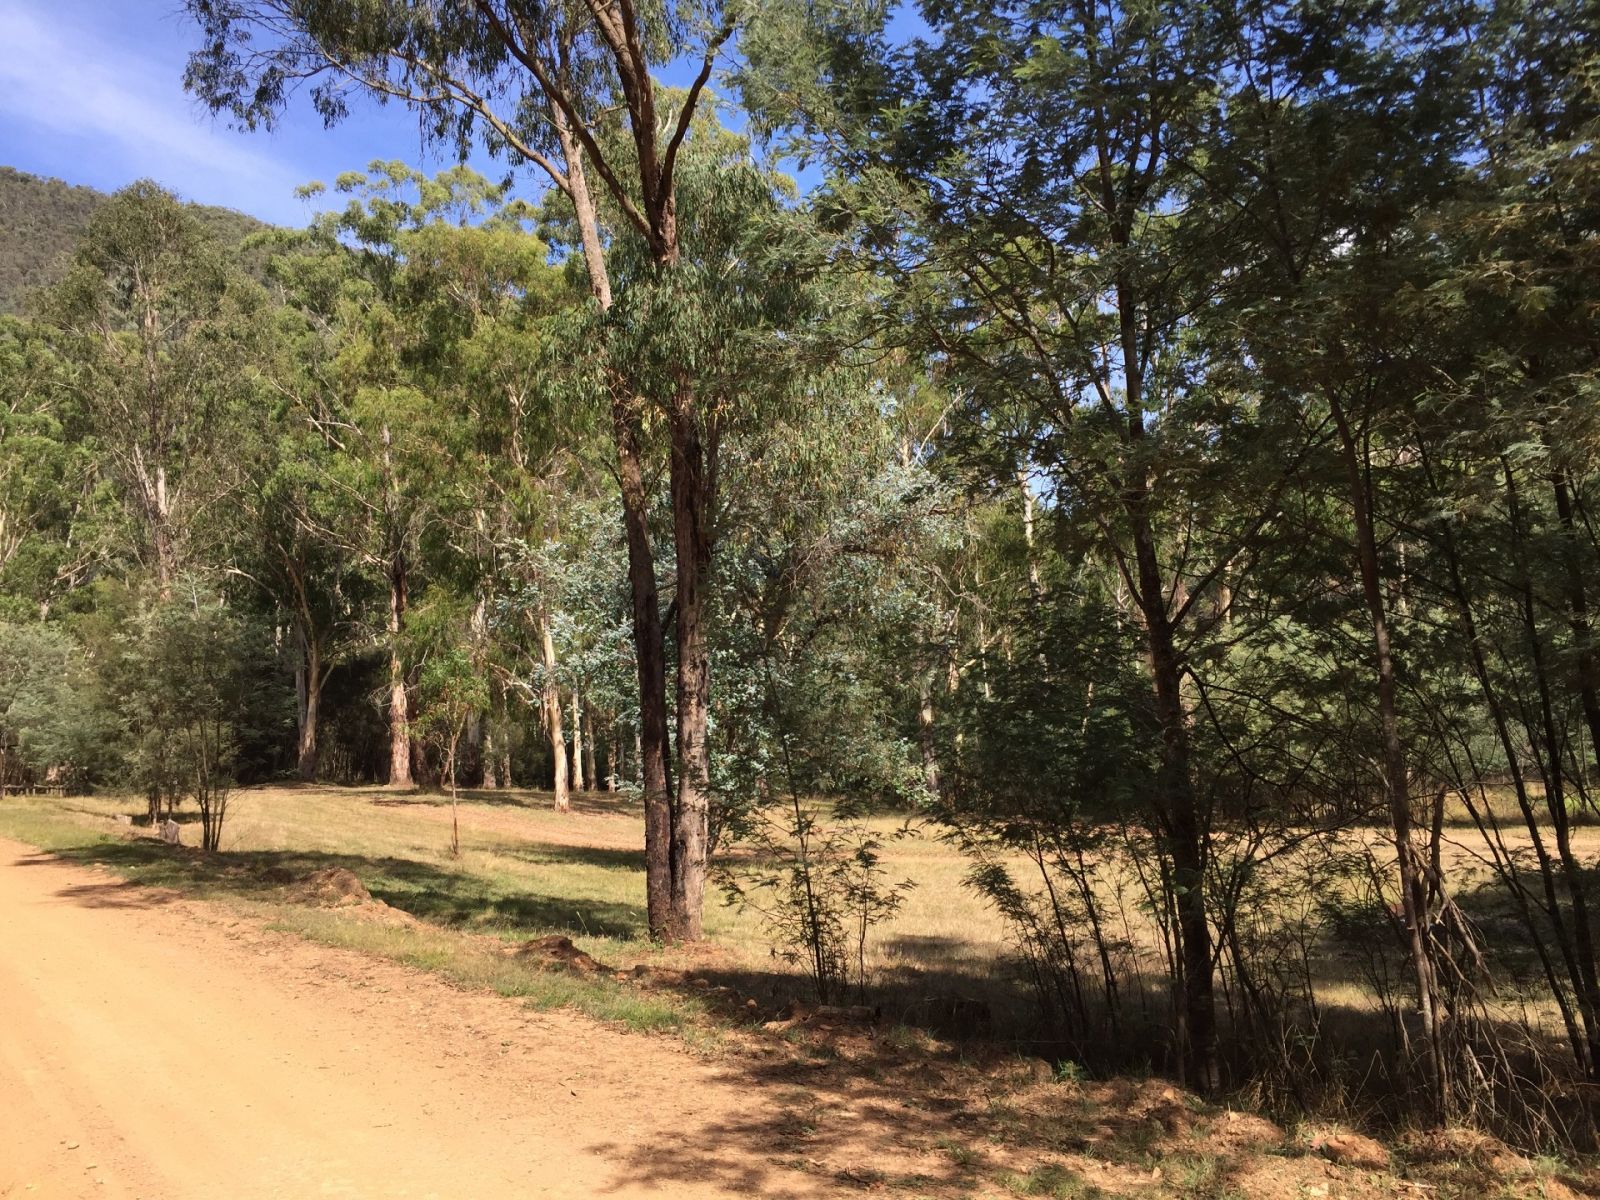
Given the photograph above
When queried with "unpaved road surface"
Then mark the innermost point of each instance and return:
(167, 1049)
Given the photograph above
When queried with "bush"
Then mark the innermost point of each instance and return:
(54, 723)
(819, 889)
(198, 682)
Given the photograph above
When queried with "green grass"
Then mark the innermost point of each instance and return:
(1053, 1181)
(454, 905)
(962, 1155)
(526, 871)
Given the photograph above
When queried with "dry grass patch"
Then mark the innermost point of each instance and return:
(964, 1118)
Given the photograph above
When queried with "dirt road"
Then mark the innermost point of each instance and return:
(161, 1048)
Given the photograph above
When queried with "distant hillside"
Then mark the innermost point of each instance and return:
(42, 219)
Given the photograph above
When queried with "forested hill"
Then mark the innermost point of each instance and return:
(41, 220)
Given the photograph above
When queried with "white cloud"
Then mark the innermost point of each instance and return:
(59, 76)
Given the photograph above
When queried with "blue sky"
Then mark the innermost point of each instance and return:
(91, 92)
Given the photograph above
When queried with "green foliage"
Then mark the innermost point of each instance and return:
(1167, 438)
(161, 330)
(195, 686)
(56, 518)
(54, 723)
(819, 886)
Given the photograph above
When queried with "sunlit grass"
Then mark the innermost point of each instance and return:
(524, 871)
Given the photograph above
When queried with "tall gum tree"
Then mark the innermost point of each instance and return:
(538, 83)
(388, 439)
(496, 309)
(151, 310)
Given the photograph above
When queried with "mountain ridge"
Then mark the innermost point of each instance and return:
(43, 218)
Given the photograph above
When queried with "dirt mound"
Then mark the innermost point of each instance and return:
(331, 887)
(1149, 1101)
(1244, 1131)
(558, 951)
(1350, 1149)
(1465, 1146)
(335, 887)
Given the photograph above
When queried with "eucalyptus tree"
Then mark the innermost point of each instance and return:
(298, 546)
(367, 390)
(541, 84)
(750, 306)
(823, 588)
(499, 321)
(158, 326)
(52, 532)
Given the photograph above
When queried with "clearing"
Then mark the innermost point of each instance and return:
(181, 1026)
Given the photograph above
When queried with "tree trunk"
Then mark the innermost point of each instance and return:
(1026, 491)
(1397, 785)
(450, 770)
(589, 754)
(399, 724)
(491, 762)
(579, 782)
(161, 533)
(925, 717)
(692, 484)
(552, 717)
(310, 689)
(496, 741)
(1183, 826)
(649, 651)
(471, 752)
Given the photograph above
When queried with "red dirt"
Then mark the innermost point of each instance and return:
(162, 1048)
(165, 1048)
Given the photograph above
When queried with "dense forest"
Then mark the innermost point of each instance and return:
(1157, 454)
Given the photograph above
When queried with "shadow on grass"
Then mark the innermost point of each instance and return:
(878, 1117)
(539, 854)
(447, 898)
(585, 804)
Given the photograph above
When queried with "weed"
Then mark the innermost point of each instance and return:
(1053, 1181)
(963, 1156)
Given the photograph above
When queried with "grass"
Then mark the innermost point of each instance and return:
(526, 871)
(304, 831)
(469, 965)
(1053, 1181)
